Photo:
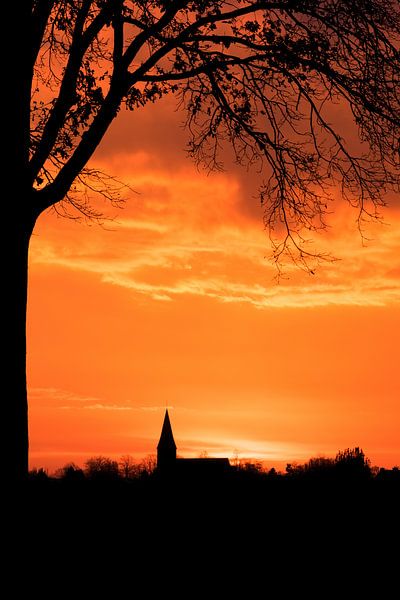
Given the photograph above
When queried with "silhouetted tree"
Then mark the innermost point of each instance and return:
(70, 472)
(352, 464)
(316, 468)
(349, 464)
(101, 468)
(294, 470)
(256, 74)
(128, 467)
(148, 464)
(320, 467)
(250, 467)
(389, 476)
(38, 475)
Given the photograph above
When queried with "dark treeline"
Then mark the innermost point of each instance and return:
(320, 504)
(129, 519)
(349, 466)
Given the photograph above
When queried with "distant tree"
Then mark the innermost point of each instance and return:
(349, 464)
(258, 75)
(390, 476)
(148, 464)
(250, 467)
(294, 470)
(128, 467)
(235, 460)
(375, 470)
(320, 462)
(70, 472)
(38, 474)
(320, 467)
(352, 464)
(316, 467)
(101, 468)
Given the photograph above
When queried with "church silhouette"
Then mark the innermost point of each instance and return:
(168, 464)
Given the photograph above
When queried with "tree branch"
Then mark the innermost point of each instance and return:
(40, 16)
(79, 44)
(118, 28)
(213, 65)
(138, 42)
(55, 191)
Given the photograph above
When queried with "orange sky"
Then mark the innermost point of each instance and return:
(175, 303)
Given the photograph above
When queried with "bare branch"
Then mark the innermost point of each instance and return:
(80, 43)
(257, 75)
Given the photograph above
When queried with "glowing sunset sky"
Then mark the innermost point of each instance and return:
(175, 303)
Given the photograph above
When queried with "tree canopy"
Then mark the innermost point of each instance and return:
(259, 75)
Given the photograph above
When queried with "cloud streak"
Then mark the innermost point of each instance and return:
(369, 293)
(61, 399)
(205, 248)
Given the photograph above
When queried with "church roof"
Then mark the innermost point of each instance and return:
(166, 437)
(203, 466)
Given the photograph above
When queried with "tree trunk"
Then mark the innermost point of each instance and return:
(17, 235)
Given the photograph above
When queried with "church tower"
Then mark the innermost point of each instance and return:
(166, 449)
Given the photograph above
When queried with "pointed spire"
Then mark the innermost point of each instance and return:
(166, 449)
(166, 438)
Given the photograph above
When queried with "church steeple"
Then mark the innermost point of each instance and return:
(166, 448)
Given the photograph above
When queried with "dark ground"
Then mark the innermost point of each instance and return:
(215, 539)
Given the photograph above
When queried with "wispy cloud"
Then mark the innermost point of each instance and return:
(100, 406)
(113, 407)
(140, 225)
(69, 400)
(56, 395)
(197, 243)
(368, 293)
